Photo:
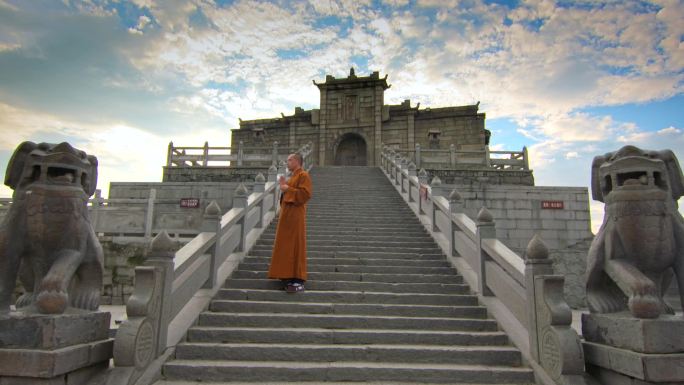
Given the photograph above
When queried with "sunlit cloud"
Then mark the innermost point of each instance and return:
(156, 71)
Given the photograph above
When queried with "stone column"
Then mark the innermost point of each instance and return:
(149, 214)
(240, 201)
(486, 228)
(411, 134)
(377, 137)
(436, 188)
(211, 222)
(323, 125)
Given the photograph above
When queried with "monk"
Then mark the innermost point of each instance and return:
(288, 260)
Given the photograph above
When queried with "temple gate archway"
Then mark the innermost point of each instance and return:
(351, 151)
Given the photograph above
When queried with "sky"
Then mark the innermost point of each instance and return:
(121, 79)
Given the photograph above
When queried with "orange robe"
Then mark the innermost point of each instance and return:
(288, 259)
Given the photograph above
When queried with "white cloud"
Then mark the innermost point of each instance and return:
(571, 155)
(669, 131)
(124, 153)
(9, 47)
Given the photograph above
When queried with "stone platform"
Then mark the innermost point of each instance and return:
(54, 349)
(623, 350)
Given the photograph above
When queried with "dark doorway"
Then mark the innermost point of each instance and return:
(351, 151)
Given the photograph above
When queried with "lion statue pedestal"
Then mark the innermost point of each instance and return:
(48, 244)
(632, 335)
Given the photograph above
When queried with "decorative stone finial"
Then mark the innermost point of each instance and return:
(484, 216)
(537, 249)
(422, 173)
(436, 181)
(273, 168)
(212, 209)
(260, 178)
(162, 242)
(412, 166)
(241, 190)
(454, 196)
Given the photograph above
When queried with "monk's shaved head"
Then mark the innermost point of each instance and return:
(299, 157)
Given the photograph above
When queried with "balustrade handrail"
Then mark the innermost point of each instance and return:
(178, 157)
(511, 286)
(511, 160)
(185, 280)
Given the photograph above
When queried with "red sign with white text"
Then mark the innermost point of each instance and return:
(552, 205)
(189, 203)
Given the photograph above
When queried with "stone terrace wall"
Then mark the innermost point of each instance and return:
(518, 213)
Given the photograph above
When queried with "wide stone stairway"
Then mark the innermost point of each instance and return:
(382, 305)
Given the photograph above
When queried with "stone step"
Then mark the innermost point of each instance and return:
(358, 230)
(344, 336)
(310, 243)
(412, 310)
(450, 278)
(269, 238)
(348, 297)
(319, 268)
(265, 251)
(471, 355)
(181, 382)
(341, 260)
(339, 321)
(367, 249)
(260, 371)
(382, 287)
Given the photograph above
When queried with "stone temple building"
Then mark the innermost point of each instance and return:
(353, 122)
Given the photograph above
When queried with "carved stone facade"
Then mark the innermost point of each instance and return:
(353, 122)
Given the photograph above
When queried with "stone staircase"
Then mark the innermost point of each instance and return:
(382, 305)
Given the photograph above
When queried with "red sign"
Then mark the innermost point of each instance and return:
(189, 203)
(552, 205)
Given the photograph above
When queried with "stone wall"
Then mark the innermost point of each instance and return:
(212, 174)
(518, 213)
(479, 178)
(120, 263)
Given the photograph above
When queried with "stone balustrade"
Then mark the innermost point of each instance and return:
(452, 158)
(522, 293)
(239, 155)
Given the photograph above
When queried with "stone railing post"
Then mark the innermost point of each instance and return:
(411, 173)
(95, 205)
(272, 173)
(452, 155)
(211, 222)
(240, 201)
(397, 169)
(418, 156)
(526, 159)
(161, 253)
(241, 154)
(537, 263)
(169, 155)
(149, 214)
(205, 154)
(404, 167)
(282, 167)
(486, 229)
(488, 157)
(260, 187)
(422, 192)
(436, 187)
(274, 153)
(455, 207)
(554, 344)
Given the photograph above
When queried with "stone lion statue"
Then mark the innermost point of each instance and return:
(46, 238)
(641, 241)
